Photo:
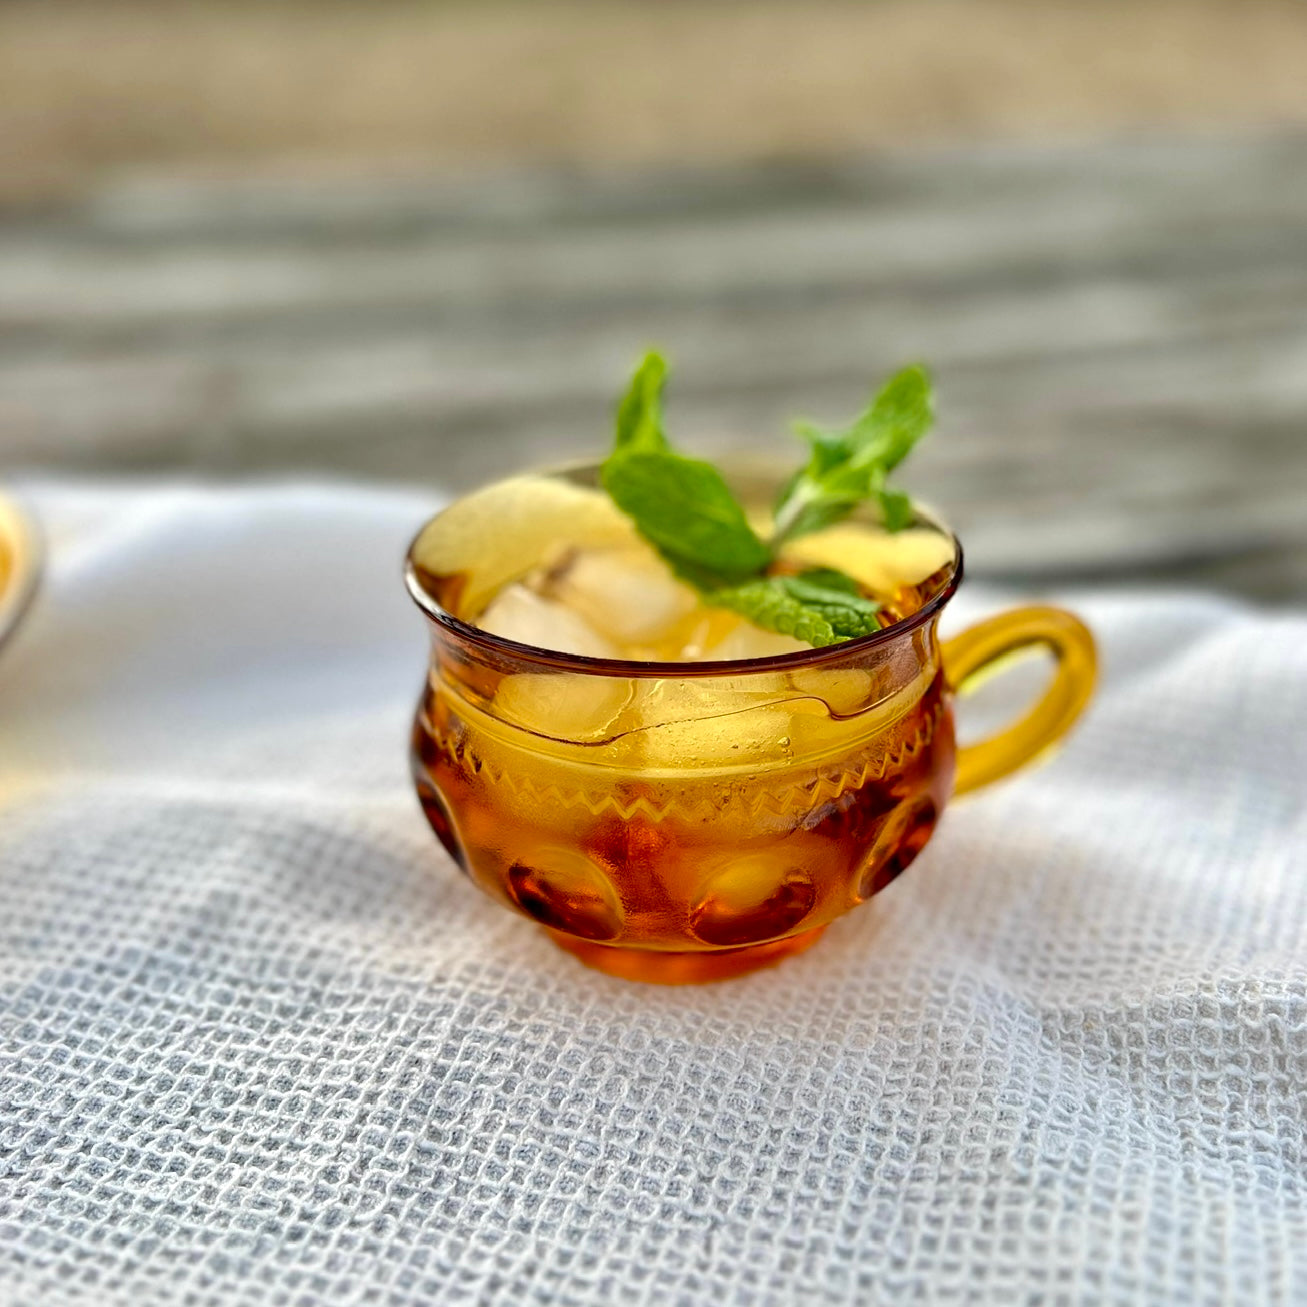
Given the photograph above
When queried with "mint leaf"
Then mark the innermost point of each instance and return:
(686, 510)
(681, 506)
(771, 606)
(898, 417)
(815, 610)
(830, 579)
(805, 512)
(828, 449)
(846, 466)
(849, 614)
(640, 413)
(896, 509)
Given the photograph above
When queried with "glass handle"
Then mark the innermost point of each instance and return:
(978, 652)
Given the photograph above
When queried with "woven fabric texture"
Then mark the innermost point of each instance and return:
(261, 1043)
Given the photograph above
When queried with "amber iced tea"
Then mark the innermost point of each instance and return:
(716, 816)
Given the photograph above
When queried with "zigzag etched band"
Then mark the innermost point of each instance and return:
(822, 788)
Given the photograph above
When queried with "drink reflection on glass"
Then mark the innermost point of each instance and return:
(673, 793)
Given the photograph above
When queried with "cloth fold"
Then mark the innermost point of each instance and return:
(261, 1042)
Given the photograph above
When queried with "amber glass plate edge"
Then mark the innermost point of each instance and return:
(21, 557)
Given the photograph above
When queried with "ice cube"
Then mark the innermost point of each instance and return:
(868, 699)
(563, 706)
(519, 614)
(744, 640)
(695, 698)
(844, 690)
(750, 739)
(708, 627)
(627, 594)
(713, 722)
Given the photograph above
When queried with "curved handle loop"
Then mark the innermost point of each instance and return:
(970, 657)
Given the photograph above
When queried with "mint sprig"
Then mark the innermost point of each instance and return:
(685, 509)
(848, 465)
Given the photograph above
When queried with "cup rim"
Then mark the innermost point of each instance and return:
(554, 660)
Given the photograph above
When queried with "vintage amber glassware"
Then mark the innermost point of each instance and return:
(690, 821)
(20, 563)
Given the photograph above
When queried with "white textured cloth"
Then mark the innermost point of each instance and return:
(260, 1042)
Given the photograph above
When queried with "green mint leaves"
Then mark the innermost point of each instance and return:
(687, 512)
(801, 606)
(681, 506)
(685, 509)
(847, 466)
(640, 414)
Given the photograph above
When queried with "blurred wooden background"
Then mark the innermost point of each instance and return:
(426, 241)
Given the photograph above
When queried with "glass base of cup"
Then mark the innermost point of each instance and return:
(658, 968)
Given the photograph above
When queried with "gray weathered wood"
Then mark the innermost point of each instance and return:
(1119, 333)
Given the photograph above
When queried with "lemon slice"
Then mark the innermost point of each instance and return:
(496, 534)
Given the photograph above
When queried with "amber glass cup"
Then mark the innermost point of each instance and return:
(691, 821)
